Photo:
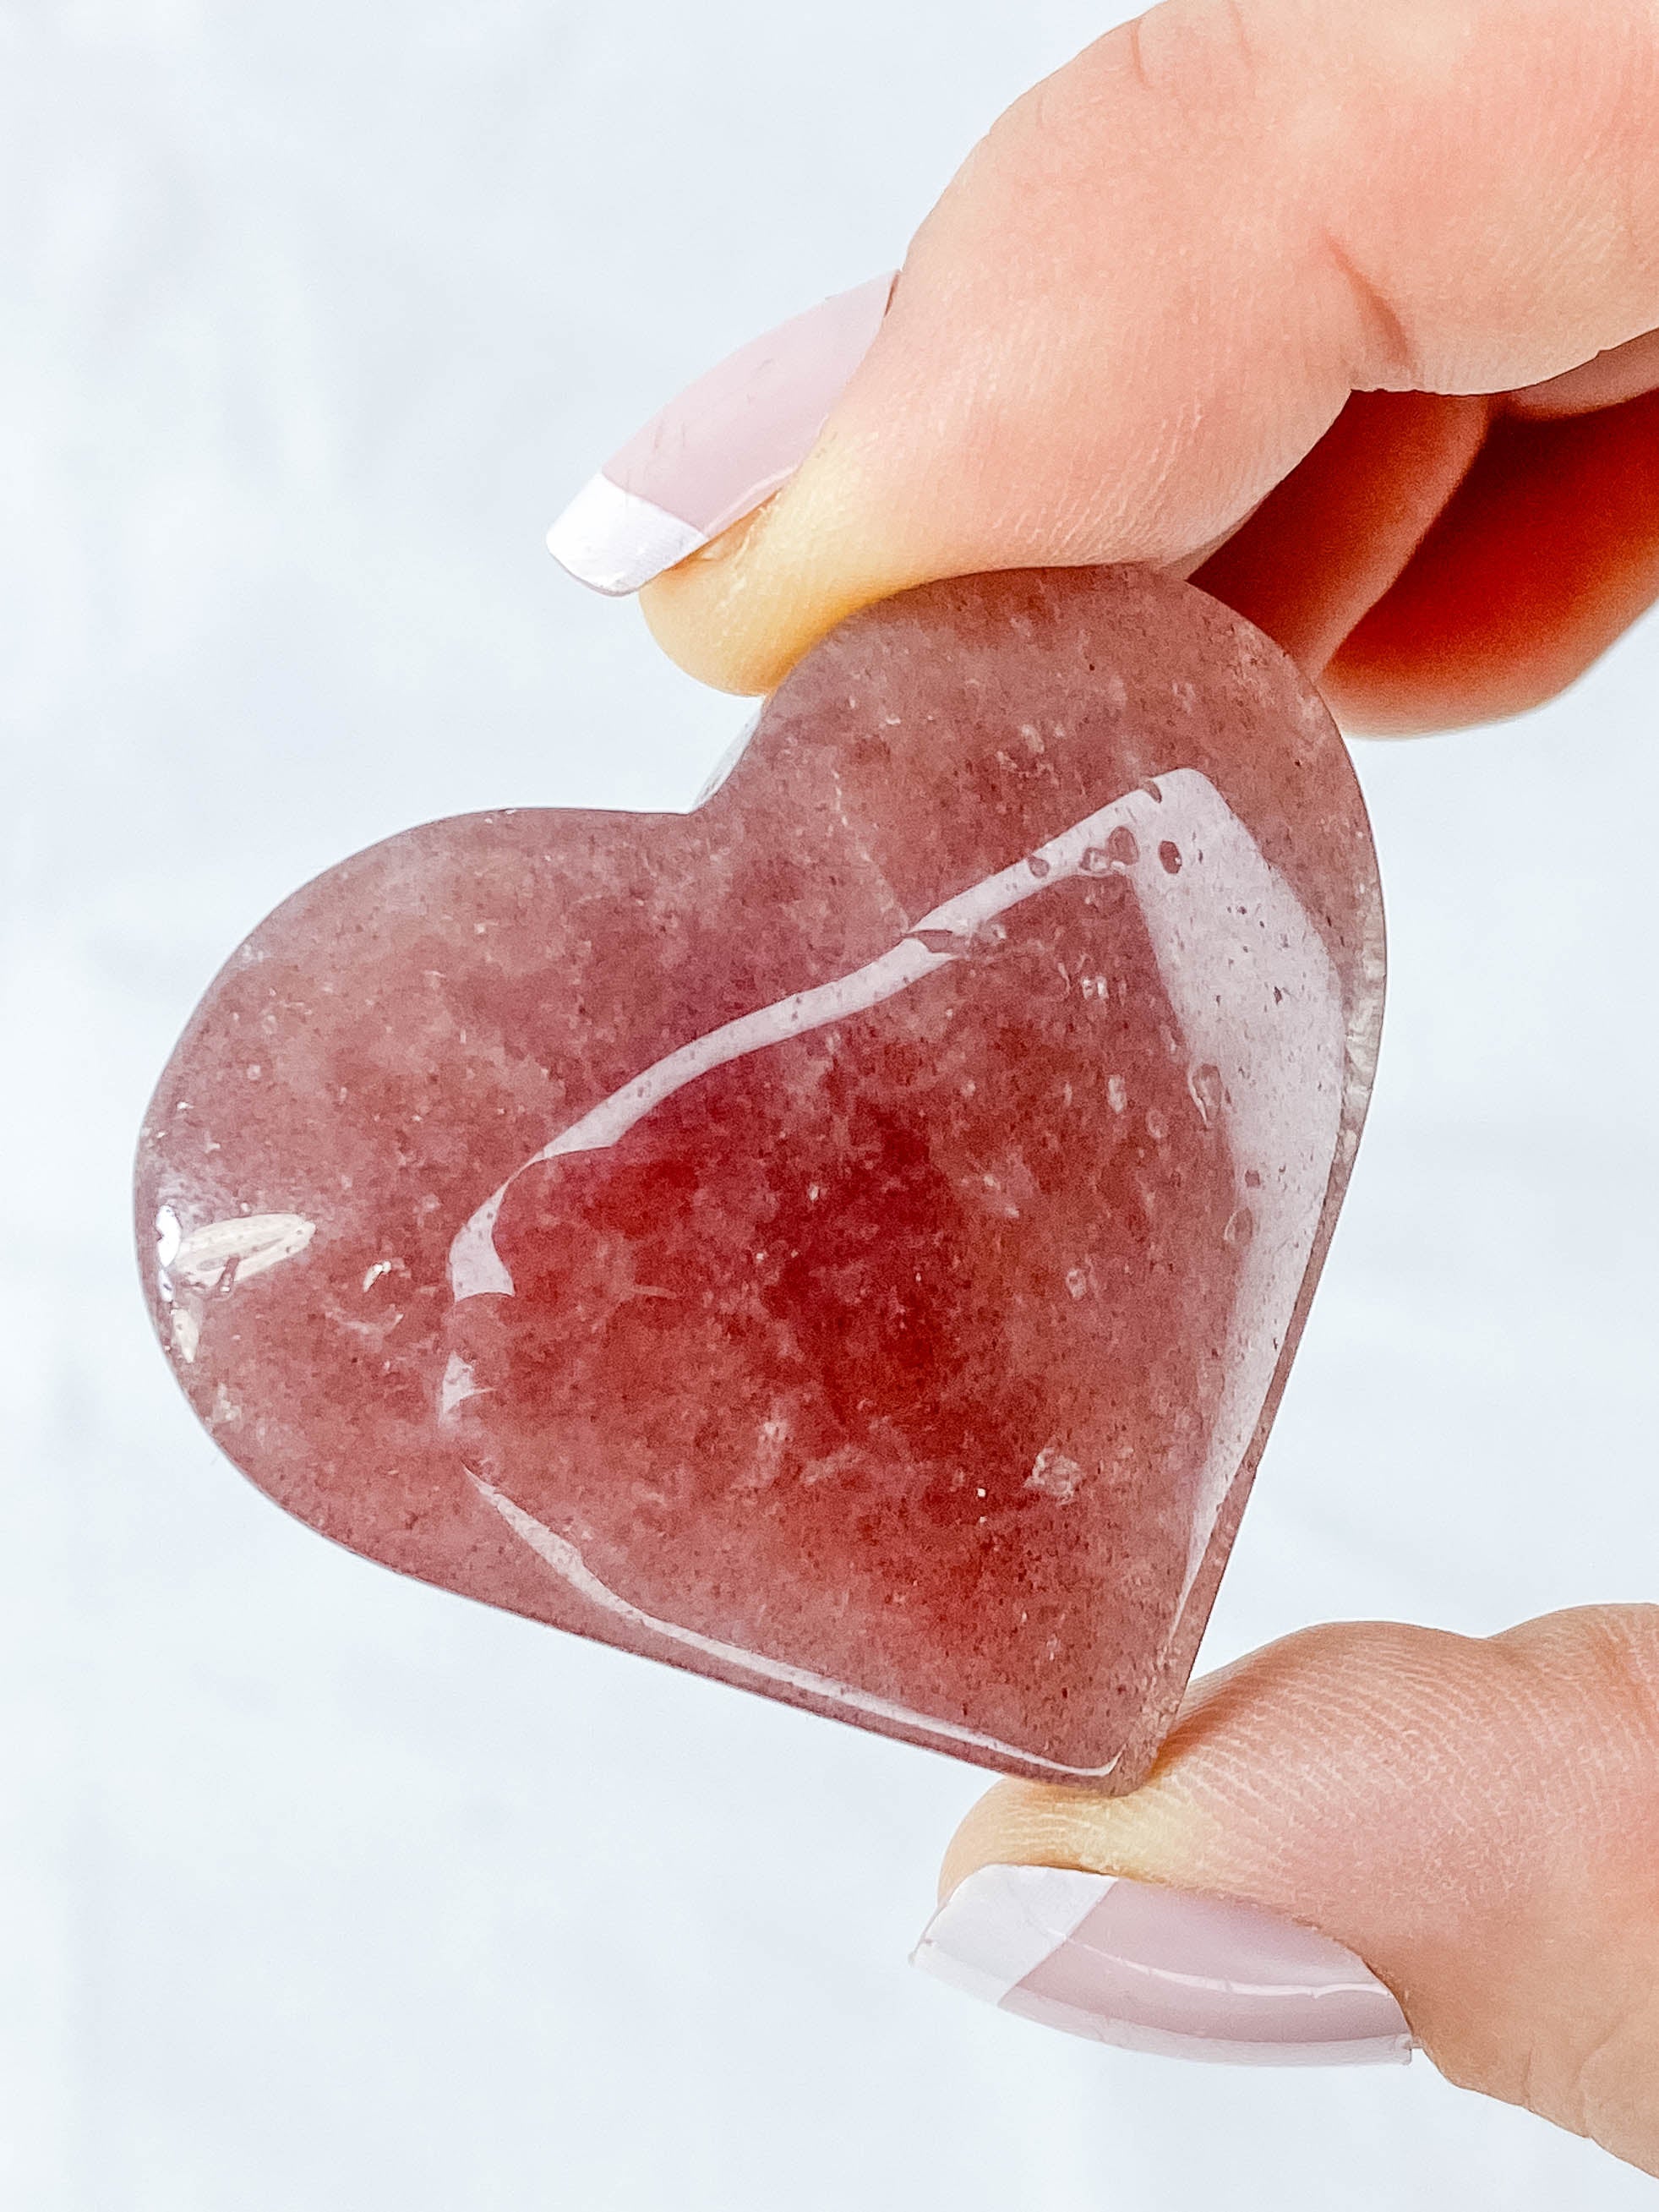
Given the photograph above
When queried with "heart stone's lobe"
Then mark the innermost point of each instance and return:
(848, 1240)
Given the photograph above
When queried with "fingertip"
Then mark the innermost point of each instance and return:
(1465, 1817)
(741, 612)
(990, 1834)
(725, 617)
(697, 613)
(1152, 1833)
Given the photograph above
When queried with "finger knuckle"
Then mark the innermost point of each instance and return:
(1180, 72)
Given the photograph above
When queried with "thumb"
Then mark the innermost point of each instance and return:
(1151, 290)
(1473, 1819)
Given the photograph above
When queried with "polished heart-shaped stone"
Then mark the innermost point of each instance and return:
(848, 1240)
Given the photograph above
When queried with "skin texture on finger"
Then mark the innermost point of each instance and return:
(1548, 552)
(1473, 1818)
(1151, 290)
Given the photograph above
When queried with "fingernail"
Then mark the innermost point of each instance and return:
(1162, 1970)
(718, 449)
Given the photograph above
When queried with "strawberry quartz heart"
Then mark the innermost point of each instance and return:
(848, 1240)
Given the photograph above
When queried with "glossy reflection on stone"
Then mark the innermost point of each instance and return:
(848, 1240)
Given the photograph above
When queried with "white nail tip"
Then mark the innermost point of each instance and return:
(1002, 1922)
(613, 541)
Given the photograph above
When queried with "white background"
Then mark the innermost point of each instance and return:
(319, 1889)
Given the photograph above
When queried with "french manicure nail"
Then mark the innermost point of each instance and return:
(720, 449)
(1170, 1970)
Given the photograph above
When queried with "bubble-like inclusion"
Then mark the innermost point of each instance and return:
(848, 1240)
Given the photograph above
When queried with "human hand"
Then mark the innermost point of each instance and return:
(1346, 307)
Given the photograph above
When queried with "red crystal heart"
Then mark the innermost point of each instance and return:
(848, 1240)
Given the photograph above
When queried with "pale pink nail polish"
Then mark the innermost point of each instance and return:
(1161, 1970)
(718, 449)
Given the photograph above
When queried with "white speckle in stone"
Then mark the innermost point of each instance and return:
(1055, 1475)
(247, 1246)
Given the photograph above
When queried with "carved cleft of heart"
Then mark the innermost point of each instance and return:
(848, 1240)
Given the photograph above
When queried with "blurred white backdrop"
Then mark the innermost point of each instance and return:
(320, 1889)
